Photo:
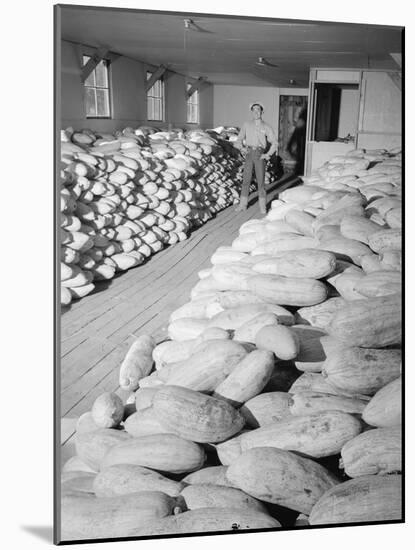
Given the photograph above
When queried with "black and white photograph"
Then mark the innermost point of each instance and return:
(229, 273)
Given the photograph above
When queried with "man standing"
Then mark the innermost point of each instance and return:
(256, 133)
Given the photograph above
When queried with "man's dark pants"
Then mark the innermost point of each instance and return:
(253, 160)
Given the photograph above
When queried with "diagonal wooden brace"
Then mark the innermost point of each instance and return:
(396, 79)
(158, 73)
(195, 86)
(97, 56)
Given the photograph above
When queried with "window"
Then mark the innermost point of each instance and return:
(336, 111)
(193, 107)
(97, 99)
(155, 99)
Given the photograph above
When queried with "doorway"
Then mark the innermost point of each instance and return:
(292, 132)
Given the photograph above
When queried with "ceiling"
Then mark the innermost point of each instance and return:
(225, 49)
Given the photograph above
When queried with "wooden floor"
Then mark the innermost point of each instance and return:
(97, 331)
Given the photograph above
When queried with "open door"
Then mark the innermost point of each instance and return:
(292, 132)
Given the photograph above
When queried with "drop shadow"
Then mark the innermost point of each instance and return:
(43, 532)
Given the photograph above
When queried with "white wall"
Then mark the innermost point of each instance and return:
(231, 103)
(128, 97)
(349, 110)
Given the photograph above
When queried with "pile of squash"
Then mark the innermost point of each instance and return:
(276, 401)
(124, 197)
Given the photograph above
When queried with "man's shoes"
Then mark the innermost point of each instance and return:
(243, 204)
(262, 206)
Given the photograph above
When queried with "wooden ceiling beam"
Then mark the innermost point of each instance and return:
(158, 73)
(95, 58)
(195, 86)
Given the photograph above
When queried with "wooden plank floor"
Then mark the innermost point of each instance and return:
(97, 331)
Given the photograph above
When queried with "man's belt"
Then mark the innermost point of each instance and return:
(256, 148)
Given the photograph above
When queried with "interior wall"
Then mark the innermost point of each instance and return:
(349, 109)
(381, 112)
(231, 103)
(128, 95)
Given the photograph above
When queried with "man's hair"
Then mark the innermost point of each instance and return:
(257, 105)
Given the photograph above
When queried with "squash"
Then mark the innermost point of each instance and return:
(317, 435)
(363, 499)
(279, 245)
(306, 263)
(195, 416)
(123, 479)
(385, 239)
(205, 520)
(229, 450)
(346, 285)
(385, 408)
(107, 410)
(320, 315)
(345, 249)
(162, 452)
(358, 228)
(234, 318)
(144, 398)
(92, 446)
(248, 331)
(301, 221)
(186, 328)
(87, 517)
(288, 291)
(247, 379)
(210, 475)
(171, 351)
(78, 483)
(137, 363)
(279, 339)
(380, 283)
(309, 402)
(313, 381)
(232, 276)
(75, 464)
(66, 296)
(361, 370)
(374, 452)
(86, 423)
(281, 477)
(219, 496)
(311, 355)
(209, 364)
(374, 322)
(144, 422)
(266, 408)
(394, 218)
(226, 255)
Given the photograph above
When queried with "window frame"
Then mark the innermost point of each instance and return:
(155, 98)
(107, 63)
(190, 103)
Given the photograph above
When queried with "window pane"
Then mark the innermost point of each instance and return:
(101, 74)
(90, 81)
(90, 102)
(149, 108)
(102, 102)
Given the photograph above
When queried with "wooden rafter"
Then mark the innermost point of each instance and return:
(158, 73)
(95, 58)
(397, 57)
(396, 79)
(195, 86)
